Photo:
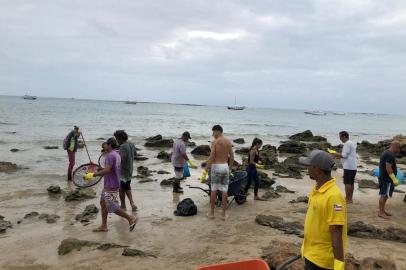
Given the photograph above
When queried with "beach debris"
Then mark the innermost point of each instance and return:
(239, 141)
(268, 155)
(154, 138)
(242, 151)
(8, 167)
(70, 244)
(140, 158)
(51, 147)
(108, 246)
(146, 180)
(363, 230)
(50, 218)
(202, 150)
(158, 141)
(283, 189)
(80, 195)
(292, 147)
(90, 212)
(270, 194)
(14, 150)
(143, 171)
(132, 252)
(278, 223)
(168, 182)
(31, 215)
(4, 225)
(278, 252)
(163, 172)
(365, 183)
(164, 156)
(300, 199)
(54, 189)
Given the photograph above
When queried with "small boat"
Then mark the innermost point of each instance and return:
(131, 102)
(235, 107)
(320, 113)
(338, 113)
(29, 97)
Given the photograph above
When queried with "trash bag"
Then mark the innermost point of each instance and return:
(186, 208)
(186, 171)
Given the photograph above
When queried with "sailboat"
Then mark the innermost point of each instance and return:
(235, 107)
(29, 97)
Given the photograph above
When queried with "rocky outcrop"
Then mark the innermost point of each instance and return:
(49, 218)
(80, 195)
(89, 213)
(168, 182)
(282, 189)
(191, 144)
(318, 146)
(163, 172)
(264, 180)
(164, 156)
(305, 136)
(270, 194)
(143, 171)
(160, 143)
(268, 156)
(4, 225)
(154, 138)
(54, 190)
(290, 168)
(146, 180)
(140, 158)
(280, 224)
(239, 141)
(14, 150)
(362, 230)
(71, 244)
(243, 151)
(8, 167)
(31, 215)
(202, 150)
(381, 146)
(51, 147)
(131, 252)
(278, 252)
(292, 147)
(300, 199)
(368, 263)
(365, 183)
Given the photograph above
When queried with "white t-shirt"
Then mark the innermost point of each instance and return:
(349, 155)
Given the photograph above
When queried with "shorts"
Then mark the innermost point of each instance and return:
(125, 185)
(110, 198)
(178, 172)
(220, 177)
(386, 189)
(349, 177)
(311, 266)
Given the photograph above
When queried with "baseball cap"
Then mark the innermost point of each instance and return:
(186, 134)
(320, 159)
(113, 142)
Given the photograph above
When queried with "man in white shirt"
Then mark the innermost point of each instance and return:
(349, 161)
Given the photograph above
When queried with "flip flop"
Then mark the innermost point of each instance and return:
(132, 225)
(210, 216)
(100, 230)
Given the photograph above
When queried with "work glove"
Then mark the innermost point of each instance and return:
(394, 179)
(88, 176)
(191, 164)
(331, 151)
(259, 166)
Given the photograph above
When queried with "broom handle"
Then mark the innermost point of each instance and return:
(84, 142)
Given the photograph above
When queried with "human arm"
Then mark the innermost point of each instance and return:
(231, 157)
(212, 155)
(336, 232)
(103, 172)
(391, 173)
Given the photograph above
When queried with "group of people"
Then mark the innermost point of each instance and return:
(325, 230)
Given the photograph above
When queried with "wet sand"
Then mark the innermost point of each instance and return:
(178, 242)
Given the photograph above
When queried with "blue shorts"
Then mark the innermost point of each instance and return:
(386, 189)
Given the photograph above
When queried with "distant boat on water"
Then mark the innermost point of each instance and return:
(131, 102)
(235, 107)
(29, 97)
(319, 113)
(338, 113)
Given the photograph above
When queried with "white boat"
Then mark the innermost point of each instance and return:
(320, 113)
(338, 113)
(29, 97)
(235, 107)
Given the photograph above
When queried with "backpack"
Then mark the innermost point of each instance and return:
(186, 208)
(65, 143)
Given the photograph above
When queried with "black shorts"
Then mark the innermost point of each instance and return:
(124, 186)
(311, 266)
(349, 177)
(386, 189)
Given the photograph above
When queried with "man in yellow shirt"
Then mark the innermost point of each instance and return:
(325, 230)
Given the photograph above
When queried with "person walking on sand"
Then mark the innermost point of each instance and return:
(70, 144)
(325, 229)
(252, 173)
(179, 157)
(127, 150)
(349, 161)
(220, 162)
(109, 196)
(387, 177)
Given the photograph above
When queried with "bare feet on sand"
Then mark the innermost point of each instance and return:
(388, 214)
(224, 217)
(349, 201)
(383, 215)
(132, 223)
(256, 198)
(210, 216)
(101, 229)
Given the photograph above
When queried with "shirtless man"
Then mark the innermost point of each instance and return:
(220, 161)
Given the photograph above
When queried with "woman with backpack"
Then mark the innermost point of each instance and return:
(252, 173)
(70, 144)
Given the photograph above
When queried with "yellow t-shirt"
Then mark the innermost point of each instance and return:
(326, 207)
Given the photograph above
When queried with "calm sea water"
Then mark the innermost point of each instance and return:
(31, 125)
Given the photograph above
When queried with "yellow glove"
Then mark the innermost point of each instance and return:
(191, 164)
(203, 177)
(339, 265)
(88, 176)
(259, 166)
(331, 151)
(394, 179)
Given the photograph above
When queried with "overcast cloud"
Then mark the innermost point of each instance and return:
(327, 55)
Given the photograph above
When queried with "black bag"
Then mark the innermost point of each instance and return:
(186, 208)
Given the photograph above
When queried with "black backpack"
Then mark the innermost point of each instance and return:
(186, 208)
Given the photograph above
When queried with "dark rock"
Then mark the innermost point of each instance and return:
(306, 135)
(362, 230)
(278, 223)
(300, 199)
(8, 167)
(4, 225)
(54, 189)
(90, 212)
(168, 182)
(31, 215)
(368, 263)
(278, 252)
(14, 150)
(191, 144)
(264, 180)
(270, 194)
(160, 143)
(268, 156)
(318, 139)
(365, 183)
(136, 253)
(52, 218)
(80, 195)
(143, 171)
(164, 156)
(51, 147)
(163, 172)
(283, 189)
(319, 146)
(108, 246)
(292, 147)
(140, 158)
(243, 151)
(239, 141)
(71, 244)
(146, 180)
(154, 138)
(202, 150)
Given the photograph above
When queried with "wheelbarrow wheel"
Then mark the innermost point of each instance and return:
(240, 199)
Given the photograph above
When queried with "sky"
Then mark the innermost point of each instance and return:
(305, 54)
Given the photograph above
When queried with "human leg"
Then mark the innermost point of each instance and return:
(71, 158)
